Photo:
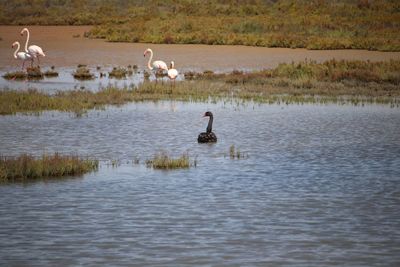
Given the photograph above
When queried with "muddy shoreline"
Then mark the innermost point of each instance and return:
(64, 49)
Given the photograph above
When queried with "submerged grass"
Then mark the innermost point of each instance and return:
(83, 73)
(353, 82)
(26, 167)
(165, 162)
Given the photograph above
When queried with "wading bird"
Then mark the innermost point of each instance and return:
(208, 136)
(33, 50)
(22, 55)
(158, 65)
(172, 73)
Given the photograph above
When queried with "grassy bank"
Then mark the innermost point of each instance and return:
(317, 24)
(163, 161)
(26, 167)
(305, 82)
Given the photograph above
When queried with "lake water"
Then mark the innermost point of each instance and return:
(319, 186)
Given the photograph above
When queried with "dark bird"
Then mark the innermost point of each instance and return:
(208, 136)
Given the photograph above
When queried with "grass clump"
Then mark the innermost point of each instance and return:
(34, 73)
(165, 162)
(51, 72)
(83, 73)
(235, 153)
(17, 75)
(118, 73)
(26, 167)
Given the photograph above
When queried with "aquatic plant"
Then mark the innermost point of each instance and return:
(26, 167)
(34, 73)
(165, 162)
(51, 73)
(83, 73)
(118, 73)
(235, 153)
(16, 75)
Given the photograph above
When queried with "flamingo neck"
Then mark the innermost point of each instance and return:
(27, 40)
(16, 51)
(151, 57)
(209, 126)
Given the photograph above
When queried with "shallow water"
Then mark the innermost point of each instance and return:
(319, 186)
(62, 50)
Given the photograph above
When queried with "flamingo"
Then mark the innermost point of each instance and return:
(157, 64)
(172, 73)
(22, 55)
(33, 50)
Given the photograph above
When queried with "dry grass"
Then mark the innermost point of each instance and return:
(26, 167)
(306, 82)
(165, 162)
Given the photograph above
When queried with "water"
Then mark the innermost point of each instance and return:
(319, 187)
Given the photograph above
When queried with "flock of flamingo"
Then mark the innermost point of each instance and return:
(34, 51)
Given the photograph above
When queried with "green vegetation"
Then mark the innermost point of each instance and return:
(165, 162)
(119, 73)
(16, 75)
(234, 153)
(26, 167)
(306, 82)
(83, 73)
(316, 24)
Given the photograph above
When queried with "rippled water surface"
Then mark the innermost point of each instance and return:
(319, 186)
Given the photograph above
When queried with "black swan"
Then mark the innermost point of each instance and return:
(208, 136)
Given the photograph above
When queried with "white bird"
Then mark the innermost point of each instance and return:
(21, 55)
(33, 50)
(172, 73)
(159, 65)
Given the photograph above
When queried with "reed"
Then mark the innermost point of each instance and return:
(83, 73)
(26, 167)
(118, 73)
(235, 153)
(16, 75)
(165, 162)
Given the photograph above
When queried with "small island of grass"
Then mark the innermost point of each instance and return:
(26, 167)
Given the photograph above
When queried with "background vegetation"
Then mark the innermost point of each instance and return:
(314, 24)
(332, 81)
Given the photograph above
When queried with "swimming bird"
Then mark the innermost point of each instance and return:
(208, 136)
(22, 55)
(33, 50)
(172, 73)
(158, 65)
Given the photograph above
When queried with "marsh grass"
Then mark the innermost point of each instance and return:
(354, 82)
(34, 73)
(16, 75)
(163, 161)
(119, 73)
(235, 153)
(50, 73)
(26, 167)
(83, 73)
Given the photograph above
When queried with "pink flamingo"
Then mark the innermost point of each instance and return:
(172, 73)
(33, 50)
(159, 65)
(22, 55)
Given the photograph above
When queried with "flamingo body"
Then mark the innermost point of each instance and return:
(21, 55)
(157, 64)
(172, 73)
(36, 51)
(33, 50)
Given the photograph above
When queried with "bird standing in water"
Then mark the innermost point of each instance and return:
(208, 136)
